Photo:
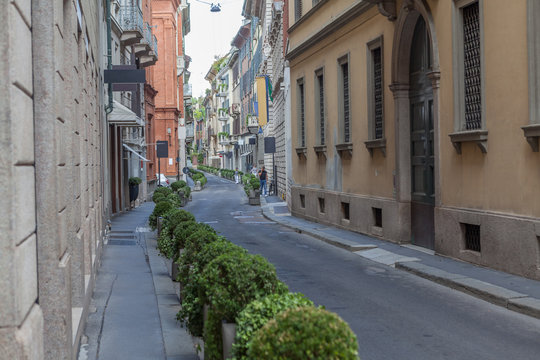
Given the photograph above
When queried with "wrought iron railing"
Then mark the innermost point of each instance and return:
(189, 130)
(187, 90)
(131, 18)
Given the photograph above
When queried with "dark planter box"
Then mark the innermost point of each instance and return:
(133, 192)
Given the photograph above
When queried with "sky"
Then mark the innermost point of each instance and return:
(211, 34)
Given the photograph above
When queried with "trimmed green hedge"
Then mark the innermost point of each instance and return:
(160, 209)
(238, 287)
(175, 186)
(304, 333)
(229, 283)
(258, 313)
(191, 265)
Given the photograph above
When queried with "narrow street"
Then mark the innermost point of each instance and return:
(394, 314)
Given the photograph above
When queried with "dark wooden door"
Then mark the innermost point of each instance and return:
(422, 157)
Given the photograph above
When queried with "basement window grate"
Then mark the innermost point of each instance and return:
(345, 211)
(302, 201)
(538, 252)
(472, 237)
(377, 217)
(321, 205)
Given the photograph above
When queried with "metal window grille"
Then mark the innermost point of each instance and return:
(321, 108)
(346, 107)
(297, 9)
(472, 237)
(471, 44)
(377, 92)
(302, 125)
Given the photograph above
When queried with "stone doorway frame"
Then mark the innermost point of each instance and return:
(401, 51)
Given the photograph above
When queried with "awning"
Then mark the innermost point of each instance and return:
(246, 153)
(123, 116)
(136, 153)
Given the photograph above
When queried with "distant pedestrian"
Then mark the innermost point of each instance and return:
(262, 178)
(236, 176)
(254, 171)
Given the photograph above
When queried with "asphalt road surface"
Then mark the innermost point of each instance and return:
(394, 314)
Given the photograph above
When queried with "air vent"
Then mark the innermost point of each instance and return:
(321, 205)
(345, 211)
(472, 237)
(377, 217)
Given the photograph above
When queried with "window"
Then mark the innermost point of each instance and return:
(469, 122)
(532, 130)
(377, 216)
(345, 211)
(471, 67)
(345, 103)
(301, 114)
(375, 89)
(321, 205)
(471, 234)
(302, 201)
(344, 144)
(297, 9)
(319, 106)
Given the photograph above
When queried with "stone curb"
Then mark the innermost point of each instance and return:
(332, 240)
(497, 295)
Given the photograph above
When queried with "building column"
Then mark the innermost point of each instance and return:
(53, 256)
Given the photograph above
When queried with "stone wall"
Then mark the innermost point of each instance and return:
(51, 128)
(21, 319)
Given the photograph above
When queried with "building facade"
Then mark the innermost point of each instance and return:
(133, 47)
(167, 123)
(53, 156)
(417, 122)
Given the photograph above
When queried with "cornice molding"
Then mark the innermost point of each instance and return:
(329, 29)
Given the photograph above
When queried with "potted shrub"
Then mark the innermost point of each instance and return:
(304, 333)
(134, 188)
(229, 283)
(191, 266)
(252, 189)
(257, 313)
(160, 209)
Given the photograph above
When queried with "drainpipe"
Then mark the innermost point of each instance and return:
(109, 107)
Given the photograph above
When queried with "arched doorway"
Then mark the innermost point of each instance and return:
(415, 86)
(422, 139)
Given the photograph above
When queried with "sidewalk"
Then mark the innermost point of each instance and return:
(134, 306)
(510, 291)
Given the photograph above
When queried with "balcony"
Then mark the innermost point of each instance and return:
(190, 133)
(188, 90)
(224, 140)
(223, 114)
(123, 116)
(235, 109)
(252, 124)
(146, 50)
(131, 22)
(134, 140)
